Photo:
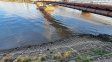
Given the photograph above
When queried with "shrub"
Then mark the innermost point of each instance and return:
(23, 59)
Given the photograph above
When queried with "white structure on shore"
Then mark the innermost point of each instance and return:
(91, 1)
(109, 2)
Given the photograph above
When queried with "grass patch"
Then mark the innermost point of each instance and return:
(100, 52)
(23, 59)
(89, 56)
(83, 58)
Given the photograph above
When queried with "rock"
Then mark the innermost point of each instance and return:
(7, 58)
(72, 61)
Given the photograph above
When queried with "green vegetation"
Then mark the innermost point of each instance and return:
(88, 56)
(30, 59)
(99, 52)
(83, 58)
(57, 56)
(23, 59)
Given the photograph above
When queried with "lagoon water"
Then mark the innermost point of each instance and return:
(23, 24)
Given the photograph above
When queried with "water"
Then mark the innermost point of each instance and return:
(23, 24)
(87, 23)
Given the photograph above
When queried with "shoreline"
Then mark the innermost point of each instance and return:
(100, 37)
(78, 43)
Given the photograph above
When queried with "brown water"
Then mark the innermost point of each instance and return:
(23, 24)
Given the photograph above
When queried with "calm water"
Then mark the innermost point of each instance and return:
(23, 24)
(83, 22)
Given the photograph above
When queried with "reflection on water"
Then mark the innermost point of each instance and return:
(86, 15)
(23, 24)
(20, 25)
(61, 30)
(83, 22)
